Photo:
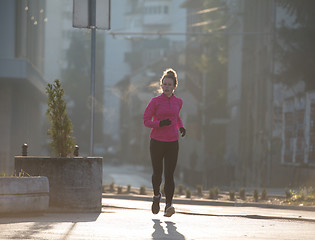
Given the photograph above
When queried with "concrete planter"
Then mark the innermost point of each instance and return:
(75, 183)
(24, 194)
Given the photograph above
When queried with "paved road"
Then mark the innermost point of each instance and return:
(132, 219)
(124, 175)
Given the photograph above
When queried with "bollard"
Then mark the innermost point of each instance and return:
(24, 149)
(76, 151)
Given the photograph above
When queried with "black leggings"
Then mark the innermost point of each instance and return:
(169, 152)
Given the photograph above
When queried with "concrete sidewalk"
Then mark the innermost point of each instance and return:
(215, 208)
(132, 219)
(209, 202)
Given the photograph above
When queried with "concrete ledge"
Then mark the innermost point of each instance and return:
(24, 194)
(75, 184)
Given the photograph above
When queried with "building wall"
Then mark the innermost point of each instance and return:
(235, 53)
(5, 123)
(21, 82)
(249, 95)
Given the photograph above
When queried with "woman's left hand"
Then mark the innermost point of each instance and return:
(182, 131)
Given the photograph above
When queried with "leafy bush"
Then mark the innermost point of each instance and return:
(304, 195)
(211, 194)
(242, 194)
(214, 193)
(143, 190)
(112, 187)
(264, 194)
(180, 189)
(255, 195)
(288, 194)
(61, 127)
(188, 193)
(232, 195)
(199, 190)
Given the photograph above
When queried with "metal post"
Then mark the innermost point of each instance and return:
(24, 149)
(93, 42)
(76, 151)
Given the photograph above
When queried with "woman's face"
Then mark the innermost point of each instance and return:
(168, 86)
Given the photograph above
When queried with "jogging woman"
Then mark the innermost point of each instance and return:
(162, 115)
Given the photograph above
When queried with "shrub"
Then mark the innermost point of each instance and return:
(61, 127)
(255, 195)
(264, 194)
(232, 195)
(288, 193)
(213, 193)
(119, 189)
(199, 190)
(242, 194)
(112, 187)
(188, 193)
(216, 192)
(143, 190)
(180, 189)
(128, 188)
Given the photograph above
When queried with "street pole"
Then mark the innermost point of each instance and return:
(93, 43)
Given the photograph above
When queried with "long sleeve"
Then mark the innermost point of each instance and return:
(161, 108)
(149, 116)
(179, 120)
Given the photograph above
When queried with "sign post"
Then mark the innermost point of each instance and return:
(92, 14)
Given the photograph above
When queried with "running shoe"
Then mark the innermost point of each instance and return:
(169, 210)
(156, 204)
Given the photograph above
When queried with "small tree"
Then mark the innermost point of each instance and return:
(61, 127)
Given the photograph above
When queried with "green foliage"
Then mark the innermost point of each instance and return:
(255, 195)
(188, 193)
(288, 194)
(199, 190)
(232, 195)
(143, 190)
(213, 193)
(264, 194)
(180, 189)
(61, 127)
(128, 188)
(242, 194)
(305, 196)
(112, 187)
(22, 173)
(119, 189)
(216, 192)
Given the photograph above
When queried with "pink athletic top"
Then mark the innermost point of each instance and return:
(160, 108)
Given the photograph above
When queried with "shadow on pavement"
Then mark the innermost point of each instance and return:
(171, 233)
(49, 218)
(46, 222)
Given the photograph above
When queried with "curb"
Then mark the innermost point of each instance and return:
(211, 202)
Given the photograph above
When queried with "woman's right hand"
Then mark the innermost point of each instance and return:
(165, 122)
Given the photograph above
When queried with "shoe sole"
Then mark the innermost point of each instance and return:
(155, 209)
(169, 212)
